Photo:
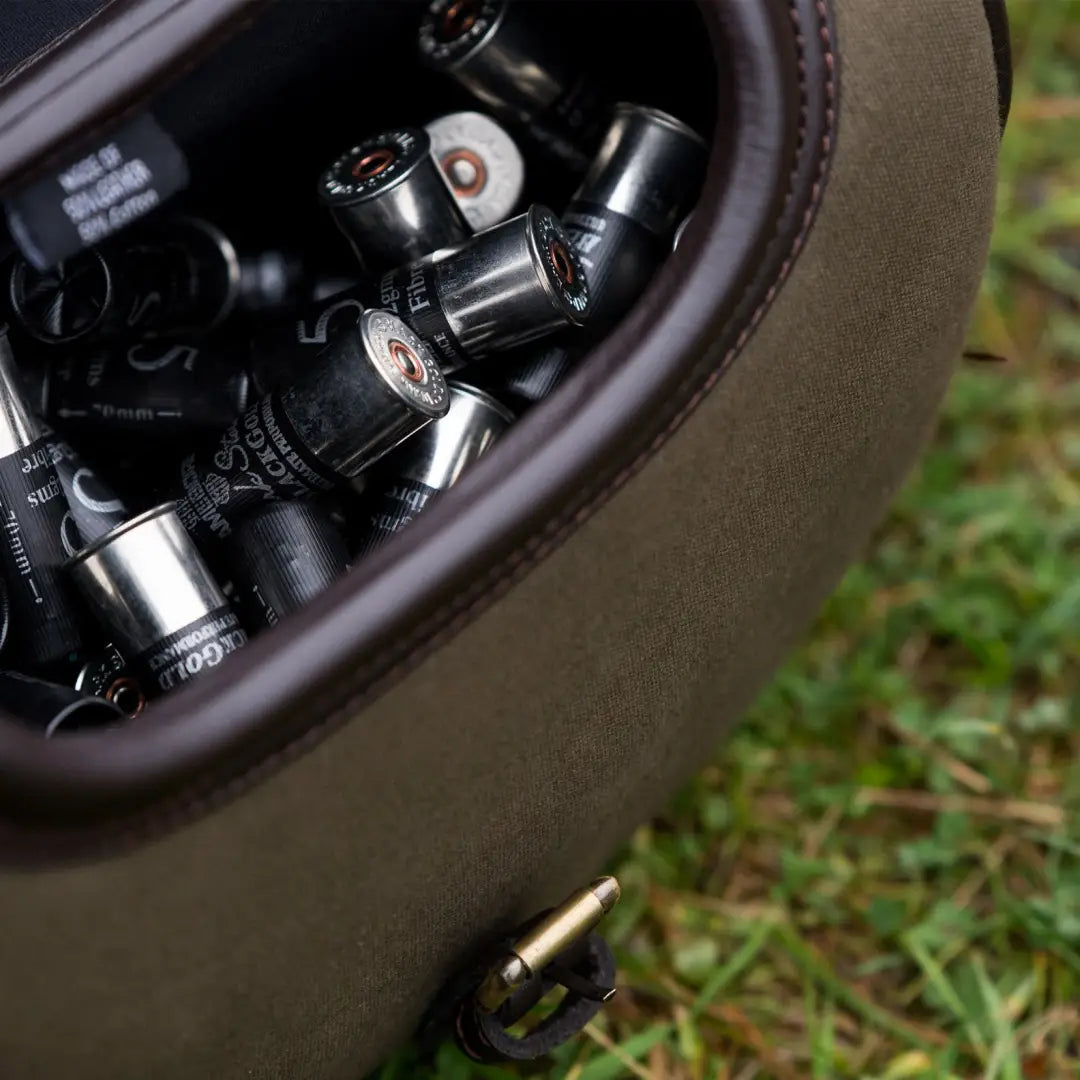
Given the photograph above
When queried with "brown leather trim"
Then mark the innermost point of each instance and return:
(90, 795)
(37, 59)
(94, 75)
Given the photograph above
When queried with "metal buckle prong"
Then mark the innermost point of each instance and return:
(536, 950)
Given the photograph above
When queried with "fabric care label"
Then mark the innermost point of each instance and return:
(198, 647)
(135, 170)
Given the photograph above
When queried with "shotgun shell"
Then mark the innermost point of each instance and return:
(150, 389)
(504, 55)
(39, 533)
(389, 197)
(511, 284)
(622, 223)
(649, 170)
(481, 163)
(283, 555)
(153, 592)
(95, 508)
(514, 283)
(370, 389)
(431, 462)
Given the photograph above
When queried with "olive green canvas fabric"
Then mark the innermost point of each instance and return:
(299, 931)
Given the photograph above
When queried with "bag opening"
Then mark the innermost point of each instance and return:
(255, 132)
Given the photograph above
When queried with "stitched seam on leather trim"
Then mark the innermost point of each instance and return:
(51, 46)
(184, 807)
(120, 46)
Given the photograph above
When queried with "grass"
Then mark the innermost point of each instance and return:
(879, 875)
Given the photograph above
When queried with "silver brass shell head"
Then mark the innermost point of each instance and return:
(373, 166)
(404, 363)
(454, 30)
(557, 263)
(481, 163)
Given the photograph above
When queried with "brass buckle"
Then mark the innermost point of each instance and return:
(537, 950)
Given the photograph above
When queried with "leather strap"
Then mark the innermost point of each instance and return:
(485, 1036)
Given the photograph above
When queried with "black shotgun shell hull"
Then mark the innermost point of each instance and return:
(94, 506)
(284, 350)
(622, 221)
(190, 651)
(430, 462)
(39, 535)
(151, 389)
(390, 198)
(371, 388)
(283, 555)
(258, 458)
(388, 508)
